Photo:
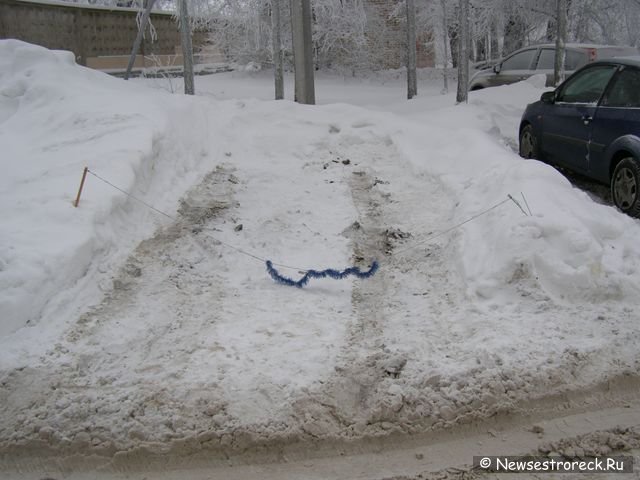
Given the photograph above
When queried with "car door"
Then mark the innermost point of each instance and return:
(515, 68)
(617, 115)
(567, 122)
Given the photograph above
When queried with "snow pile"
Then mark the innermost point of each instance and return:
(576, 249)
(57, 117)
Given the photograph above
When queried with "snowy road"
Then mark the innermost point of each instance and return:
(443, 455)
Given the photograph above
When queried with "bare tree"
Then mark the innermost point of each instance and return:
(463, 49)
(136, 44)
(561, 40)
(277, 49)
(412, 82)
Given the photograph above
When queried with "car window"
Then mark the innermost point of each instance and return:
(574, 60)
(587, 86)
(547, 59)
(625, 91)
(520, 61)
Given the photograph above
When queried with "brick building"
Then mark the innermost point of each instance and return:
(100, 37)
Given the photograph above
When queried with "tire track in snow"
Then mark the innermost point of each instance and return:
(139, 366)
(363, 397)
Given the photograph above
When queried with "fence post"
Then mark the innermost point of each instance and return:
(84, 176)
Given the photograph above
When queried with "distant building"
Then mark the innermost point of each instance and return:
(100, 37)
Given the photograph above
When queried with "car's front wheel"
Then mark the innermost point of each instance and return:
(528, 143)
(624, 186)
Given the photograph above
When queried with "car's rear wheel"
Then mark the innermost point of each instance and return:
(624, 186)
(528, 143)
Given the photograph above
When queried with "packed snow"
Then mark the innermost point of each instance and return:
(124, 327)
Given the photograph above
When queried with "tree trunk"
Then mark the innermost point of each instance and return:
(494, 40)
(463, 56)
(561, 40)
(302, 51)
(514, 34)
(138, 40)
(277, 49)
(445, 39)
(412, 82)
(187, 48)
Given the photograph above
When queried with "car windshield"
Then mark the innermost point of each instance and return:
(625, 91)
(587, 86)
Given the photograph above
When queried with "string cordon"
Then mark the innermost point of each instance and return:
(308, 272)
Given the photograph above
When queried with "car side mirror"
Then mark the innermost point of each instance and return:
(497, 68)
(548, 97)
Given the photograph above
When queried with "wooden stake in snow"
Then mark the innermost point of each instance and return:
(84, 176)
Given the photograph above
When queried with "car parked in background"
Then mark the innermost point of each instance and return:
(540, 59)
(591, 125)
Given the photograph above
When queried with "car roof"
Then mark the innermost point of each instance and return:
(632, 61)
(570, 46)
(585, 45)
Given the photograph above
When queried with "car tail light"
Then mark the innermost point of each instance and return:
(592, 54)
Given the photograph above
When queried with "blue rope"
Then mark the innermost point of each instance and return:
(331, 273)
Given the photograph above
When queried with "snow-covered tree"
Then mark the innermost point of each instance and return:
(241, 30)
(339, 36)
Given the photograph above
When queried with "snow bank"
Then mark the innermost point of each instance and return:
(576, 249)
(55, 118)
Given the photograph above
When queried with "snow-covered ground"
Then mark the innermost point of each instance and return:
(122, 327)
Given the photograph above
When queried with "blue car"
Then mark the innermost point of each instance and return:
(591, 125)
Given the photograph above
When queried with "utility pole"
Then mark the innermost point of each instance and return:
(412, 82)
(462, 94)
(561, 40)
(277, 49)
(302, 51)
(187, 48)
